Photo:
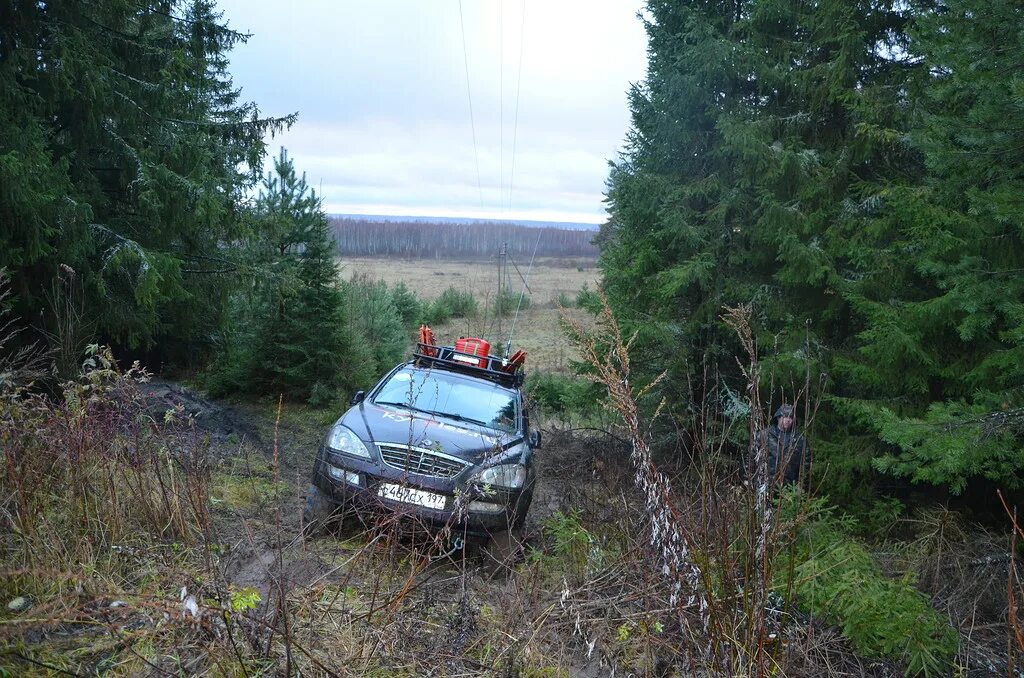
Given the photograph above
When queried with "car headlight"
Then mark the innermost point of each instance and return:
(341, 439)
(511, 476)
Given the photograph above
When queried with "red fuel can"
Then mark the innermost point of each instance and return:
(473, 346)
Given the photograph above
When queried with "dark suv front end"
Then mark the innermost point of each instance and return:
(444, 446)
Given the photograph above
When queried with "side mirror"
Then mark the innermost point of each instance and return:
(534, 440)
(358, 397)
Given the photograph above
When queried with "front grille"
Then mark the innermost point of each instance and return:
(420, 461)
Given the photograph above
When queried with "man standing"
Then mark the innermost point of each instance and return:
(789, 455)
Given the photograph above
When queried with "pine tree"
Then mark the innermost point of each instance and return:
(945, 336)
(301, 341)
(377, 324)
(323, 331)
(761, 138)
(409, 307)
(124, 153)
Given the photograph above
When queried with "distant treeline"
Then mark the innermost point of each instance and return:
(363, 237)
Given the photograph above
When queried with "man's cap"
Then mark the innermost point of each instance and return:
(784, 411)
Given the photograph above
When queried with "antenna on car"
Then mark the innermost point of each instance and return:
(504, 258)
(522, 293)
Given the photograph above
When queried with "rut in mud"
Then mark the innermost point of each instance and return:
(257, 515)
(238, 590)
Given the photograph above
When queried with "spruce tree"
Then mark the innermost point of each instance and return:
(665, 249)
(944, 336)
(851, 169)
(762, 136)
(300, 341)
(124, 153)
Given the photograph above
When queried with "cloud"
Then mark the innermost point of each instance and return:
(384, 122)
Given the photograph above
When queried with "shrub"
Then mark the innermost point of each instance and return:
(434, 314)
(563, 396)
(588, 299)
(572, 545)
(834, 576)
(507, 302)
(88, 477)
(453, 303)
(379, 336)
(409, 307)
(227, 373)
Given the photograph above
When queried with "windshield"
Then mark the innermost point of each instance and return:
(451, 395)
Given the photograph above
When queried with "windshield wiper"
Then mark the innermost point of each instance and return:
(404, 406)
(448, 415)
(459, 417)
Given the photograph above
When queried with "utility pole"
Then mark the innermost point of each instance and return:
(502, 266)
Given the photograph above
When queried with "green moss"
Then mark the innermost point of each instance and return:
(545, 672)
(243, 492)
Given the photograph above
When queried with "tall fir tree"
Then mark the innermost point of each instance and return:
(300, 338)
(944, 319)
(761, 139)
(851, 169)
(124, 154)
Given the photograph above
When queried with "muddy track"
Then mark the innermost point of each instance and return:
(221, 421)
(263, 547)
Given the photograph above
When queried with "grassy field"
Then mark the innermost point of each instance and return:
(537, 329)
(428, 277)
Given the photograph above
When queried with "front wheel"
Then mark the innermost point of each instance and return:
(503, 551)
(319, 512)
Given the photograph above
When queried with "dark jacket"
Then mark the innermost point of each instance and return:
(789, 455)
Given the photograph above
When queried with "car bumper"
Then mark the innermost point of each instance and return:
(357, 482)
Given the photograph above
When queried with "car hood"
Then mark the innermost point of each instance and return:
(384, 424)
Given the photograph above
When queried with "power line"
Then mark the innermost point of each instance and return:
(507, 206)
(522, 293)
(469, 95)
(515, 126)
(501, 97)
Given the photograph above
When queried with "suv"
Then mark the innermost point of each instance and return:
(444, 437)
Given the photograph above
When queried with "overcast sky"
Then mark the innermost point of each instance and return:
(384, 118)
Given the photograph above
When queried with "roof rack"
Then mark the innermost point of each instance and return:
(502, 372)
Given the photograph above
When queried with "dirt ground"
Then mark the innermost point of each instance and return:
(244, 592)
(372, 600)
(245, 438)
(257, 509)
(365, 599)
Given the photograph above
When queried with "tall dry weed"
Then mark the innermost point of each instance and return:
(715, 537)
(86, 479)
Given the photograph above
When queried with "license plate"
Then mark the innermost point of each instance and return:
(411, 495)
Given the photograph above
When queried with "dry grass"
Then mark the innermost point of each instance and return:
(225, 584)
(428, 278)
(537, 331)
(242, 594)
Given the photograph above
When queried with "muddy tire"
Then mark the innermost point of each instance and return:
(503, 552)
(320, 511)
